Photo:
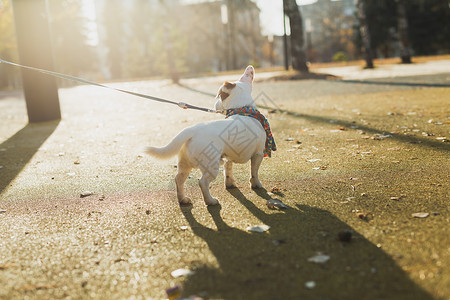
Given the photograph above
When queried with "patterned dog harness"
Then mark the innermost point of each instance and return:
(254, 113)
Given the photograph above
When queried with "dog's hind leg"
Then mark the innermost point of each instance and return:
(230, 183)
(256, 161)
(183, 172)
(208, 175)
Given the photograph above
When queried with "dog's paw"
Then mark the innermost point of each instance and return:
(185, 201)
(255, 183)
(230, 186)
(212, 201)
(230, 183)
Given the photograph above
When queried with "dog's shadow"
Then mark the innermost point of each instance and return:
(274, 264)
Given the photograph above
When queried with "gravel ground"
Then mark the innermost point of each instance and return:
(355, 161)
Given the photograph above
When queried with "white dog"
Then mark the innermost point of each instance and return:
(236, 139)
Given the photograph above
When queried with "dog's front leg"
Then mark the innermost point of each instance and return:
(230, 183)
(256, 161)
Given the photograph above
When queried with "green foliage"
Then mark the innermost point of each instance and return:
(340, 56)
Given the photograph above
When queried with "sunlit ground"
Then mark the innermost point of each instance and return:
(363, 164)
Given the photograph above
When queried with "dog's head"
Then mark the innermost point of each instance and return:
(237, 93)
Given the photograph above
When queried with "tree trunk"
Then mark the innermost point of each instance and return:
(365, 33)
(402, 21)
(34, 47)
(298, 55)
(114, 33)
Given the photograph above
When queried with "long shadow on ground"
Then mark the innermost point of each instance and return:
(275, 265)
(402, 138)
(17, 151)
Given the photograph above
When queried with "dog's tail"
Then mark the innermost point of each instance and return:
(173, 147)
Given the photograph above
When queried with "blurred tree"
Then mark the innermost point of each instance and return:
(429, 26)
(174, 42)
(207, 37)
(244, 32)
(330, 27)
(298, 55)
(140, 55)
(382, 15)
(402, 27)
(426, 33)
(219, 39)
(72, 52)
(365, 33)
(8, 45)
(114, 22)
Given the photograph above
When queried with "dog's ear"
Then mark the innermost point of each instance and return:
(229, 85)
(222, 95)
(225, 90)
(248, 76)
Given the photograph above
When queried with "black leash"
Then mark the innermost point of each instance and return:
(73, 78)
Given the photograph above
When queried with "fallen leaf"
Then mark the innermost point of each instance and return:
(319, 258)
(7, 266)
(364, 216)
(314, 160)
(181, 272)
(310, 284)
(275, 189)
(31, 287)
(420, 215)
(2, 211)
(86, 194)
(174, 292)
(258, 228)
(275, 203)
